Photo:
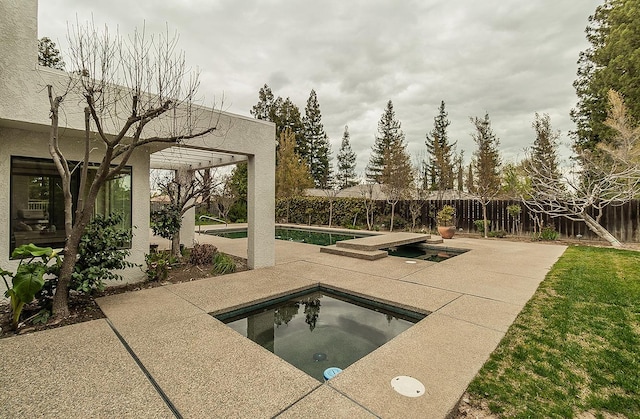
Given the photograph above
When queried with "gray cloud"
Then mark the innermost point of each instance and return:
(510, 59)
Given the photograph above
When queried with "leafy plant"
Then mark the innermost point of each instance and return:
(223, 264)
(548, 233)
(497, 233)
(101, 252)
(444, 217)
(158, 266)
(29, 276)
(166, 221)
(480, 225)
(202, 254)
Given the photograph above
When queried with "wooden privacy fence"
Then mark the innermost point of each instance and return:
(621, 221)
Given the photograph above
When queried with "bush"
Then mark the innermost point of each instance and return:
(223, 264)
(548, 233)
(166, 221)
(497, 233)
(100, 252)
(202, 254)
(479, 225)
(158, 266)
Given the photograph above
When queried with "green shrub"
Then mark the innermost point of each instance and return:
(479, 225)
(202, 254)
(166, 221)
(548, 233)
(497, 233)
(223, 264)
(158, 266)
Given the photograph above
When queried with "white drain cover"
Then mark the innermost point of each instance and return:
(407, 386)
(410, 261)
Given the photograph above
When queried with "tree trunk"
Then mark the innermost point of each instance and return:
(330, 212)
(599, 230)
(393, 210)
(60, 308)
(175, 246)
(484, 218)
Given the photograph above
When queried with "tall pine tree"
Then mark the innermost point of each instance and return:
(440, 153)
(315, 146)
(389, 132)
(346, 167)
(611, 62)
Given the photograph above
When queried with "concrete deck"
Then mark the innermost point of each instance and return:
(205, 369)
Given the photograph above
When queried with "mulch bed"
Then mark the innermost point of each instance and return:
(84, 307)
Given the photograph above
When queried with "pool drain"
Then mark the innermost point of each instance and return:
(319, 356)
(407, 386)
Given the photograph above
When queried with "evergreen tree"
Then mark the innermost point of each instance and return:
(544, 154)
(265, 108)
(315, 146)
(389, 132)
(486, 164)
(440, 164)
(282, 112)
(611, 62)
(346, 173)
(49, 55)
(292, 173)
(459, 160)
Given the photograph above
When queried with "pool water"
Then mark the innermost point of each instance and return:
(431, 254)
(322, 238)
(321, 329)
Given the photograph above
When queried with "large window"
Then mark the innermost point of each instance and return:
(37, 202)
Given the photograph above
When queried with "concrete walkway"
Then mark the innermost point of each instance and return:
(199, 367)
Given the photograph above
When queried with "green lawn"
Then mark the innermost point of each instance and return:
(576, 345)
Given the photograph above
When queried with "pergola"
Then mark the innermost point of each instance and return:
(236, 139)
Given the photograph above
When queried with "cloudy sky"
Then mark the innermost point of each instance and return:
(506, 58)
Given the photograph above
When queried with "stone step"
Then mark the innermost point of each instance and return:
(434, 240)
(383, 241)
(355, 253)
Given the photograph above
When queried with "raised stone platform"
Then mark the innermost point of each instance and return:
(358, 254)
(383, 241)
(369, 248)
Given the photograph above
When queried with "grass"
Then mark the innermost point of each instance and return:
(575, 347)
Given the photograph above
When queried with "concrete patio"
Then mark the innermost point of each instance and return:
(205, 369)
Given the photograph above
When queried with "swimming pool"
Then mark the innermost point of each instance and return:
(426, 252)
(317, 237)
(320, 328)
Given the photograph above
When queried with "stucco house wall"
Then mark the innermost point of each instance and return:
(24, 131)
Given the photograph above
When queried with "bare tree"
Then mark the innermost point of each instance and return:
(609, 176)
(225, 197)
(370, 196)
(184, 188)
(134, 92)
(418, 196)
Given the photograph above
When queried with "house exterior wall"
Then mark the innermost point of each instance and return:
(26, 143)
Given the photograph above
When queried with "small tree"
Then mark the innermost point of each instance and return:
(226, 196)
(125, 84)
(397, 176)
(486, 183)
(346, 173)
(369, 196)
(184, 188)
(292, 173)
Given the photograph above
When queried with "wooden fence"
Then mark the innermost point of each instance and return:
(621, 221)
